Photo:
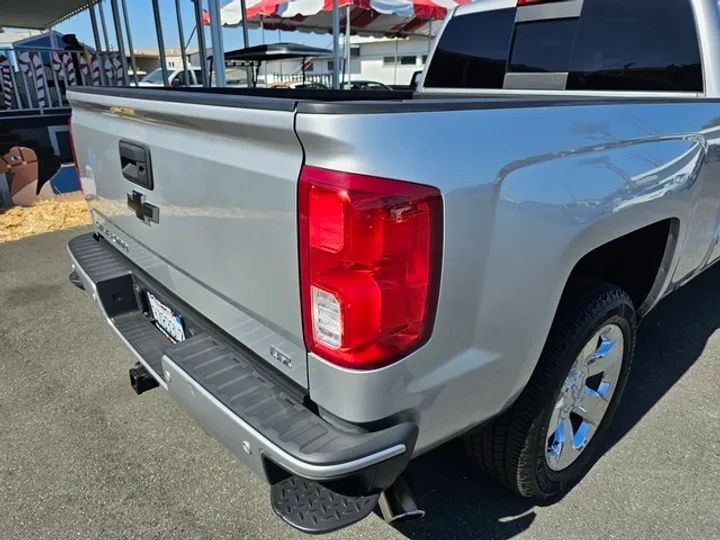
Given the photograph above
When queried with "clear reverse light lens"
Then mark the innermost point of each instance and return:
(327, 318)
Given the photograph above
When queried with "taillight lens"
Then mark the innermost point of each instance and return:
(77, 167)
(370, 251)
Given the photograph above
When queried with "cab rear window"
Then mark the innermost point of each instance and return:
(636, 45)
(622, 45)
(543, 46)
(473, 51)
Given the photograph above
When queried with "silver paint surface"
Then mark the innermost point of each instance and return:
(226, 241)
(527, 192)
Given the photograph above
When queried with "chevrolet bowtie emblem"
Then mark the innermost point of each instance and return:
(143, 210)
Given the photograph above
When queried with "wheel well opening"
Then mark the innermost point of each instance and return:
(631, 262)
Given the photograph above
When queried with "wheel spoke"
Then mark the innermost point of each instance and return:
(567, 431)
(588, 351)
(582, 436)
(555, 417)
(568, 452)
(593, 406)
(607, 354)
(560, 452)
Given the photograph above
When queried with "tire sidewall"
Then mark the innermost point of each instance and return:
(550, 482)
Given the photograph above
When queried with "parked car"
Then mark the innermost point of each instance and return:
(307, 86)
(176, 77)
(365, 85)
(332, 286)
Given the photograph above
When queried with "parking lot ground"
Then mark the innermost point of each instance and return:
(82, 457)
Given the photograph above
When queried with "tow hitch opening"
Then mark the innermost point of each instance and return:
(141, 380)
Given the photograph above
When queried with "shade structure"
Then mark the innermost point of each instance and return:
(38, 14)
(276, 51)
(392, 18)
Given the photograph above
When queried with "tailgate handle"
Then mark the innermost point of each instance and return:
(135, 163)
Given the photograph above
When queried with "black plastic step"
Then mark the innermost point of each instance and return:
(231, 378)
(313, 508)
(95, 259)
(114, 283)
(145, 338)
(236, 377)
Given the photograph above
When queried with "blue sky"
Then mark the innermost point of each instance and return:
(143, 27)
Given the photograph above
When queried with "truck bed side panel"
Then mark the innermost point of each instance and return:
(527, 192)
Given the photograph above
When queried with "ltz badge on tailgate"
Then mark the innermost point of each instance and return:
(280, 356)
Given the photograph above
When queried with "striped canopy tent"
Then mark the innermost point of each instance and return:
(390, 18)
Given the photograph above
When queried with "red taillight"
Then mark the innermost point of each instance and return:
(77, 167)
(370, 252)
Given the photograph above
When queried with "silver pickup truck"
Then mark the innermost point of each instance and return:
(334, 282)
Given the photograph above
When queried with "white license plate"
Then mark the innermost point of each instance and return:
(167, 321)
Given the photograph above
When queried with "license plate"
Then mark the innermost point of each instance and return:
(168, 322)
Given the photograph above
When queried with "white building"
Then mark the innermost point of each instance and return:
(389, 61)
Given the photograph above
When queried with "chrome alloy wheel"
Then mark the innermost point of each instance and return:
(584, 397)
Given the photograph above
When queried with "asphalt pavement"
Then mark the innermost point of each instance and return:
(82, 457)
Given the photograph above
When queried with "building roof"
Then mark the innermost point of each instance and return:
(39, 14)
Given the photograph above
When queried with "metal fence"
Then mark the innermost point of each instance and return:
(33, 78)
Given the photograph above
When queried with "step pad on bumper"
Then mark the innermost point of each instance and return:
(313, 508)
(232, 380)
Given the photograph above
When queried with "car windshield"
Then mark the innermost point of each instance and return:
(154, 77)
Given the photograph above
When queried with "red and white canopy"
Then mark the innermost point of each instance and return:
(367, 17)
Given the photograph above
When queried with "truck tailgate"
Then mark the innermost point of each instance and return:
(217, 224)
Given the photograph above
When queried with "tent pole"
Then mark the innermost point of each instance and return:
(104, 57)
(336, 44)
(396, 62)
(161, 43)
(93, 23)
(348, 33)
(120, 39)
(217, 42)
(181, 35)
(430, 36)
(104, 26)
(202, 50)
(280, 41)
(133, 61)
(96, 35)
(246, 37)
(262, 33)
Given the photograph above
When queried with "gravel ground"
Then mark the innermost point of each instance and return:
(82, 457)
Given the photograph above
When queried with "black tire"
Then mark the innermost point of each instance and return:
(511, 448)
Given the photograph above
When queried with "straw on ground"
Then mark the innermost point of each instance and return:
(45, 216)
